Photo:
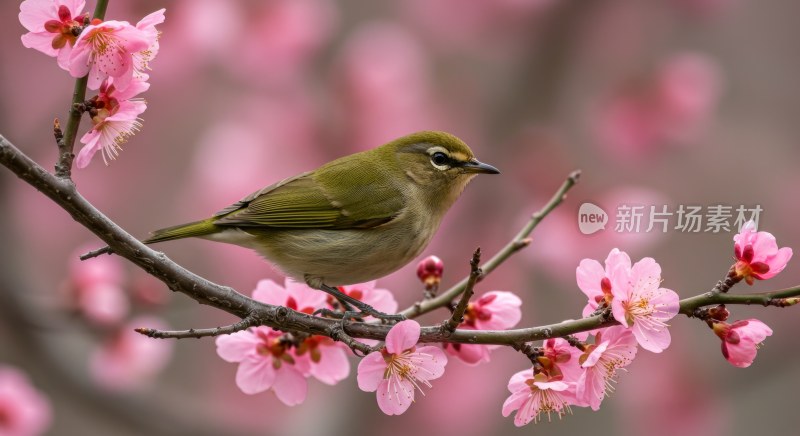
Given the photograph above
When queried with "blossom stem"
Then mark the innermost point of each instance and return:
(66, 144)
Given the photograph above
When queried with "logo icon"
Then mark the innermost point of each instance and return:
(591, 218)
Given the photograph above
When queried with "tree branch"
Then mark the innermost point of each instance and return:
(451, 324)
(178, 279)
(519, 242)
(197, 333)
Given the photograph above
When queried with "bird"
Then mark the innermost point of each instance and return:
(352, 220)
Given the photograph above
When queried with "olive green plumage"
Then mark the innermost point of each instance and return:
(353, 219)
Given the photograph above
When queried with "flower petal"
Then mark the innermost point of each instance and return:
(370, 372)
(290, 386)
(395, 395)
(333, 367)
(255, 374)
(589, 274)
(430, 362)
(403, 336)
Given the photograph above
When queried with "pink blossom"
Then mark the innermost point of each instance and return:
(495, 310)
(471, 354)
(115, 118)
(127, 360)
(640, 304)
(757, 254)
(106, 49)
(560, 360)
(532, 394)
(400, 368)
(50, 24)
(265, 362)
(103, 304)
(614, 348)
(24, 411)
(740, 340)
(95, 289)
(141, 59)
(595, 281)
(317, 356)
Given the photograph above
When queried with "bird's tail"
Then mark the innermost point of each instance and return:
(188, 230)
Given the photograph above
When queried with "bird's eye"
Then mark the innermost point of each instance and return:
(439, 158)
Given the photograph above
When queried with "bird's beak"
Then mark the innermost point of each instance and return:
(477, 167)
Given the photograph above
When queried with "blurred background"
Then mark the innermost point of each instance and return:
(660, 103)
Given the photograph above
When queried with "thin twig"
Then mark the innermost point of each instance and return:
(519, 242)
(198, 333)
(451, 324)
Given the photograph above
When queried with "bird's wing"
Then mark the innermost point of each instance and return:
(300, 202)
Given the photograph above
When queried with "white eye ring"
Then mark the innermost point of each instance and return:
(439, 158)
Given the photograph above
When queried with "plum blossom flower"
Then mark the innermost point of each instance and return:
(758, 255)
(106, 49)
(270, 359)
(265, 362)
(316, 356)
(24, 411)
(640, 304)
(50, 24)
(141, 59)
(115, 117)
(740, 340)
(128, 359)
(560, 360)
(614, 348)
(95, 289)
(400, 368)
(495, 310)
(595, 281)
(532, 394)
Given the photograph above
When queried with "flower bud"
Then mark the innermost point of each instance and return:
(719, 313)
(430, 271)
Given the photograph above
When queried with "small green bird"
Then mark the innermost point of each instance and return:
(351, 220)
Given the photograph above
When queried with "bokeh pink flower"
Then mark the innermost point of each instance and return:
(757, 254)
(24, 410)
(400, 368)
(127, 360)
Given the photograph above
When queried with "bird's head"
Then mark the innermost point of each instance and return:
(438, 162)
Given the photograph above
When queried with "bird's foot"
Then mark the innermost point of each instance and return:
(362, 310)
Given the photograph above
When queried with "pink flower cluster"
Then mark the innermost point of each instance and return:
(271, 359)
(113, 54)
(568, 376)
(24, 411)
(96, 290)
